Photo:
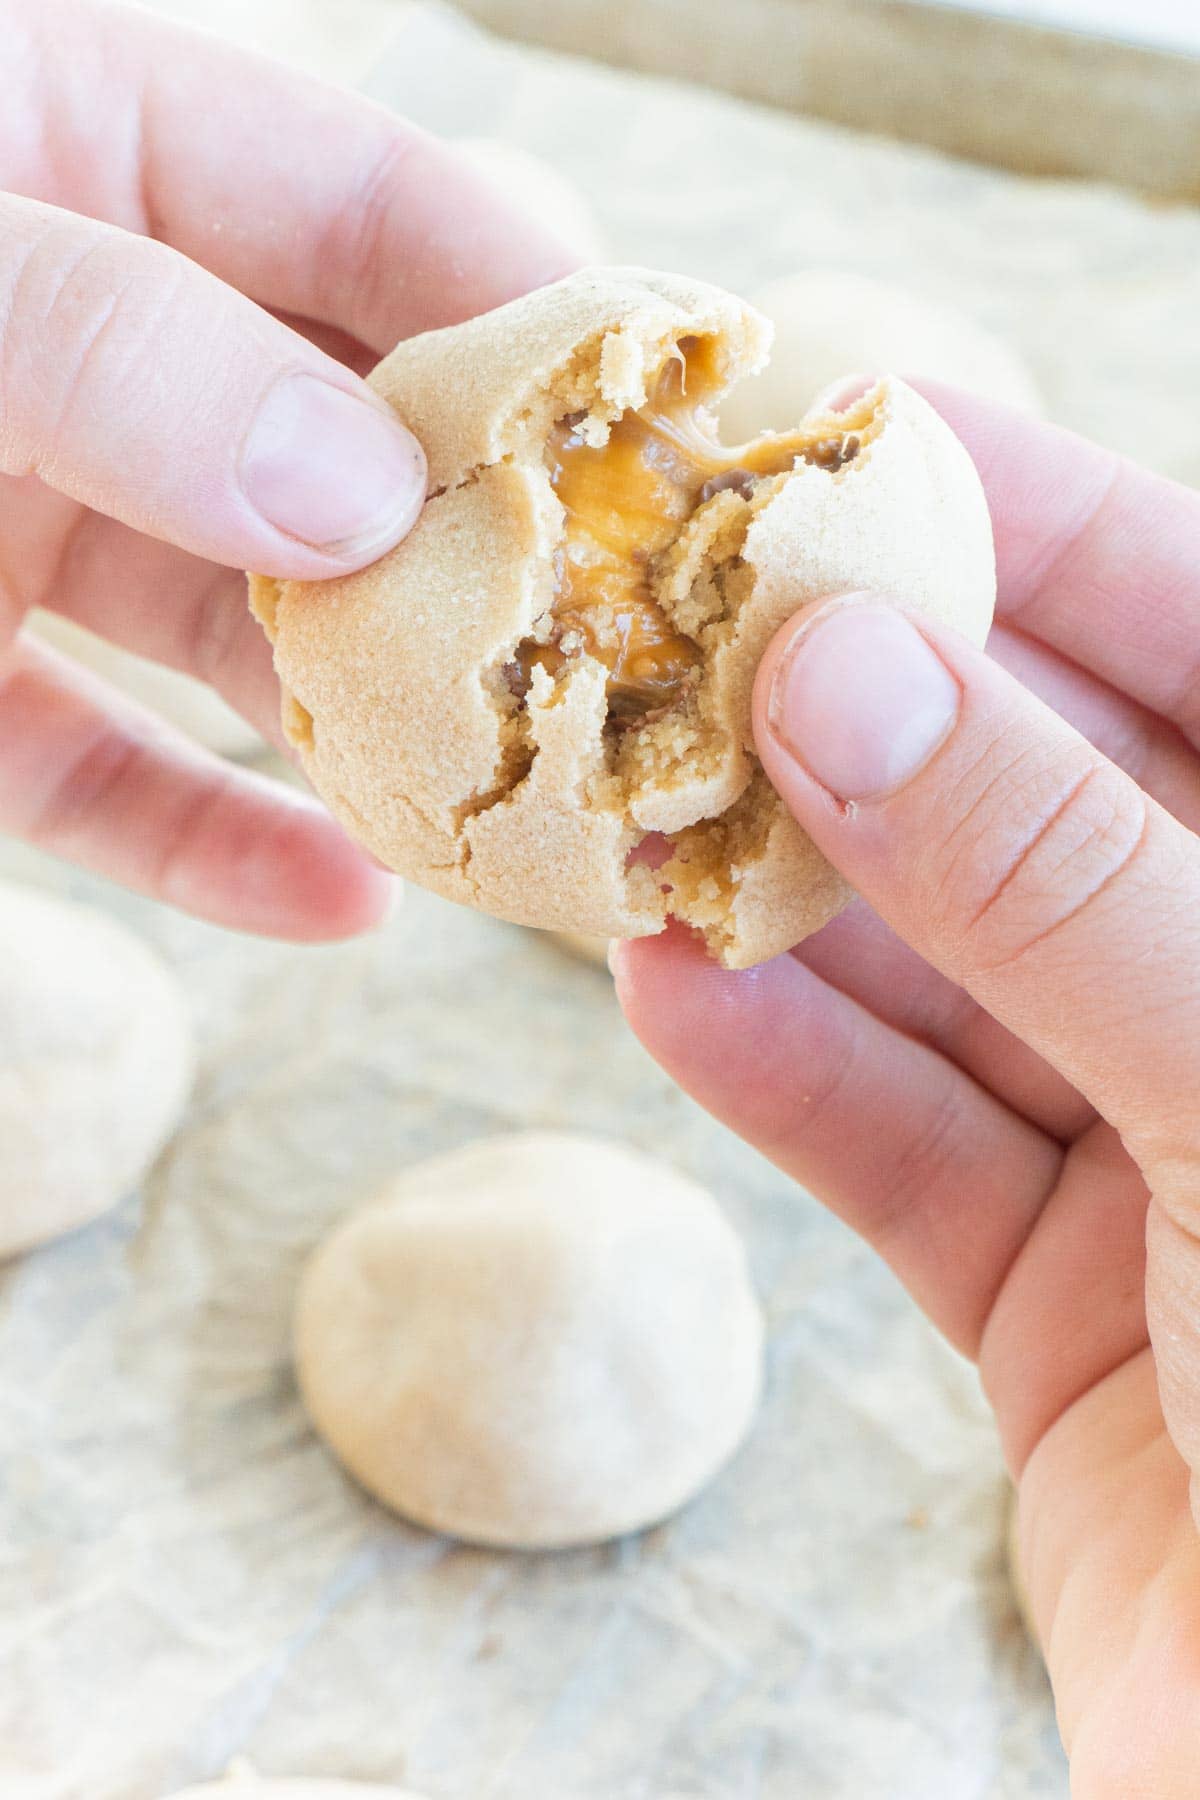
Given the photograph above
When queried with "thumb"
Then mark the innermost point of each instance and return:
(134, 381)
(1016, 859)
(998, 843)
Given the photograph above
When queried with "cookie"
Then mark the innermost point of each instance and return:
(557, 662)
(95, 1067)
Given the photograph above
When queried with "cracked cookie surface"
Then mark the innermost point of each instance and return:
(557, 662)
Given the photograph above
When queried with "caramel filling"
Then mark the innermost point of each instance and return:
(626, 502)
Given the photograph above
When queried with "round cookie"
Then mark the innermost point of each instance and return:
(193, 706)
(557, 662)
(543, 191)
(535, 1341)
(830, 323)
(95, 1064)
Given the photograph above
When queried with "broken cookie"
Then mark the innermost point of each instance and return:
(556, 664)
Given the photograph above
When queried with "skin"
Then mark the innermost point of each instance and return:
(1014, 1004)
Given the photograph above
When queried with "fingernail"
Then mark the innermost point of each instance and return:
(339, 473)
(861, 700)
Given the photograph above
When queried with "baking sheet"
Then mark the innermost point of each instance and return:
(185, 1575)
(1001, 90)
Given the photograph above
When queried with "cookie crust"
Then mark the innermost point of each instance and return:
(393, 678)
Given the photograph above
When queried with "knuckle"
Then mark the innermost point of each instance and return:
(16, 369)
(83, 305)
(56, 310)
(363, 229)
(777, 1110)
(1035, 852)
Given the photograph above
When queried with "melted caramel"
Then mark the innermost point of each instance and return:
(625, 503)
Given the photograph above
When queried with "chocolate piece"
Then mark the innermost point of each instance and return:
(742, 481)
(832, 453)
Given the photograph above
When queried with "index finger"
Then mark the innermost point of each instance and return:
(310, 199)
(1094, 555)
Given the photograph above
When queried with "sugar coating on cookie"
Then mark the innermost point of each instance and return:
(538, 1340)
(557, 663)
(96, 1064)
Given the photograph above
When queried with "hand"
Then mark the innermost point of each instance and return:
(990, 1065)
(160, 430)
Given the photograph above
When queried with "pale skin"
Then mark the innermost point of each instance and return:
(1012, 1009)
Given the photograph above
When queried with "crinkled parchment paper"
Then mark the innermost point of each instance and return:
(185, 1575)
